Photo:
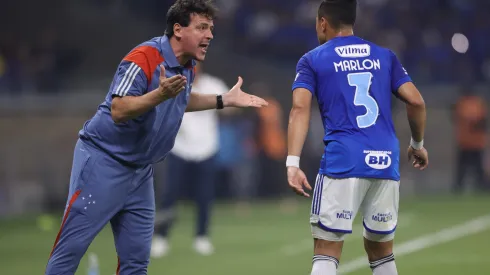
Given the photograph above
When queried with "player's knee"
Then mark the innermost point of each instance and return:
(378, 246)
(327, 242)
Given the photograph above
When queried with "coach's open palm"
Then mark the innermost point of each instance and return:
(237, 98)
(420, 157)
(297, 180)
(171, 87)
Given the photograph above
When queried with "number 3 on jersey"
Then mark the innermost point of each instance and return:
(362, 82)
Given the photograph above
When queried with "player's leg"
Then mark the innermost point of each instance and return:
(93, 200)
(479, 168)
(133, 225)
(176, 174)
(461, 170)
(335, 203)
(380, 212)
(203, 184)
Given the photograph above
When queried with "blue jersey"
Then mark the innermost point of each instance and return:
(353, 81)
(148, 138)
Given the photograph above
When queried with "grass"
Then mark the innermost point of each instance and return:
(268, 241)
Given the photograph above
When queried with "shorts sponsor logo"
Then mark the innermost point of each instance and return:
(382, 217)
(345, 214)
(378, 159)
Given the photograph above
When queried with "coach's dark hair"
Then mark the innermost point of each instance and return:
(180, 13)
(338, 12)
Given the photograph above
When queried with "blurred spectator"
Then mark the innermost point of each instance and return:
(271, 141)
(51, 61)
(192, 162)
(13, 66)
(237, 157)
(281, 31)
(471, 120)
(10, 74)
(419, 33)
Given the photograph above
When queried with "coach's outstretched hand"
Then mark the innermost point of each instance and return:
(237, 98)
(171, 87)
(297, 180)
(420, 157)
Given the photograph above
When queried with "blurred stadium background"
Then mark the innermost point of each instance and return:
(57, 59)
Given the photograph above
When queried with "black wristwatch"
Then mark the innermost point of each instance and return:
(219, 102)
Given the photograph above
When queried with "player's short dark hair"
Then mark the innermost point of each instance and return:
(180, 13)
(338, 12)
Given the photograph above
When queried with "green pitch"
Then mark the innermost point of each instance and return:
(268, 241)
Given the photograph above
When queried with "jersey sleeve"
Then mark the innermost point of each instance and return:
(136, 70)
(305, 76)
(399, 75)
(130, 80)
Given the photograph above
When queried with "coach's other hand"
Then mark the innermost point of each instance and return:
(237, 98)
(297, 180)
(171, 87)
(420, 157)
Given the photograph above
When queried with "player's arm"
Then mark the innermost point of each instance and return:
(416, 112)
(406, 91)
(299, 120)
(233, 98)
(304, 87)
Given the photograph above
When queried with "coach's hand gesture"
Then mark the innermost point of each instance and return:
(420, 157)
(297, 180)
(171, 87)
(237, 98)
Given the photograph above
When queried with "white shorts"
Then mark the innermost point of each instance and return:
(335, 204)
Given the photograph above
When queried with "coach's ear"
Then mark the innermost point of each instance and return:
(178, 30)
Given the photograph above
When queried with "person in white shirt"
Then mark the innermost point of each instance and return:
(192, 161)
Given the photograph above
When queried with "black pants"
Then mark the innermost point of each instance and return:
(470, 161)
(200, 177)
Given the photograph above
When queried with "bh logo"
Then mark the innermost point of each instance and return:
(378, 159)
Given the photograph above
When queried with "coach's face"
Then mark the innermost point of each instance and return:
(197, 36)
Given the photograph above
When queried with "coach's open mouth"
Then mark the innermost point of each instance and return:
(204, 47)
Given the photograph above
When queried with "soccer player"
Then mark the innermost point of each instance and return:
(112, 174)
(353, 80)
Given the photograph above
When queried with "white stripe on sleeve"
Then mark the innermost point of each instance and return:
(135, 73)
(125, 78)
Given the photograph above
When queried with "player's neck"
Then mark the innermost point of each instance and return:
(182, 58)
(344, 31)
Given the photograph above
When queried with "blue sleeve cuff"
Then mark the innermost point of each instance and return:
(401, 82)
(304, 86)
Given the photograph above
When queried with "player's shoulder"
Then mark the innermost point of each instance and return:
(313, 53)
(380, 50)
(308, 57)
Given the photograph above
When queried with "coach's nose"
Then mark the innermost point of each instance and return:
(209, 35)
